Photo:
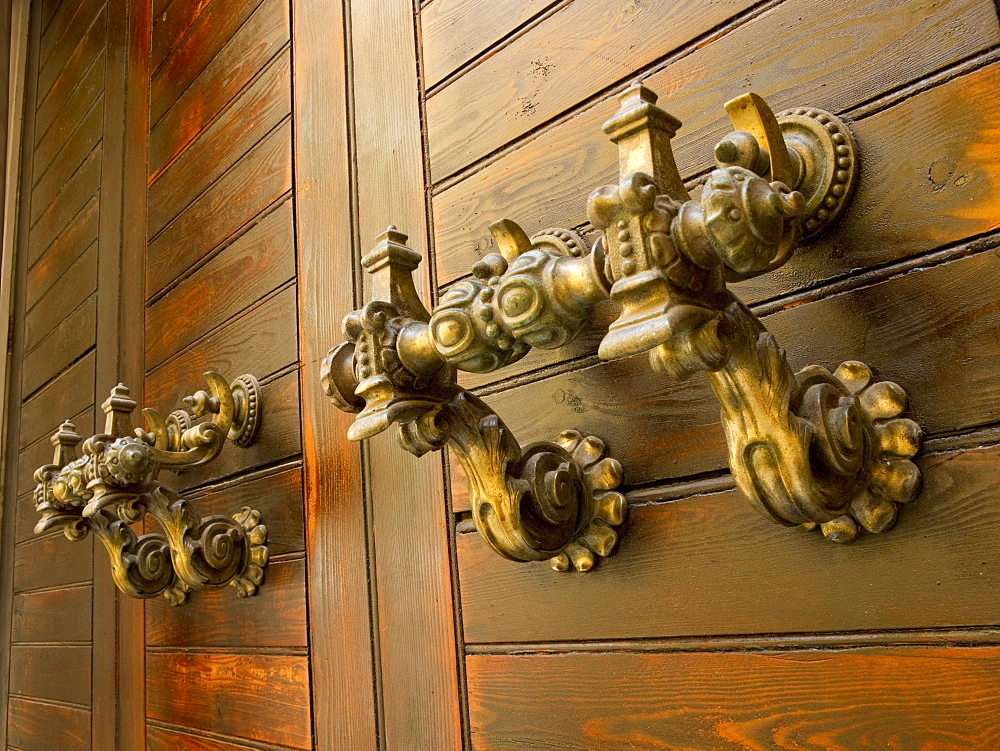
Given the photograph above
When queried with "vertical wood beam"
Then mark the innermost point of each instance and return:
(118, 700)
(343, 656)
(414, 593)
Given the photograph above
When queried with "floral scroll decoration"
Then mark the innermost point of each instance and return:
(114, 485)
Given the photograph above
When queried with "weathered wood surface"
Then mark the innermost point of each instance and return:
(905, 698)
(62, 298)
(34, 568)
(66, 343)
(54, 615)
(57, 672)
(164, 739)
(274, 617)
(33, 725)
(170, 25)
(713, 565)
(49, 264)
(453, 32)
(60, 39)
(546, 181)
(69, 394)
(40, 452)
(258, 262)
(261, 697)
(77, 192)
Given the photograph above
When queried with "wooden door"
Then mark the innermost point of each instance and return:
(199, 181)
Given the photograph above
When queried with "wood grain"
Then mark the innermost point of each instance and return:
(260, 341)
(163, 739)
(260, 179)
(254, 265)
(55, 615)
(169, 27)
(835, 701)
(585, 47)
(67, 342)
(52, 262)
(212, 30)
(452, 32)
(260, 697)
(69, 394)
(52, 561)
(713, 565)
(251, 116)
(257, 41)
(546, 182)
(25, 517)
(62, 299)
(33, 725)
(62, 38)
(274, 617)
(77, 192)
(56, 672)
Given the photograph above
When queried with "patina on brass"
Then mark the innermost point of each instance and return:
(114, 484)
(809, 447)
(546, 501)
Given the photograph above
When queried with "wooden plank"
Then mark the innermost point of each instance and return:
(279, 438)
(71, 155)
(55, 615)
(213, 29)
(47, 11)
(254, 265)
(25, 517)
(585, 47)
(255, 696)
(840, 701)
(77, 192)
(248, 118)
(257, 41)
(453, 32)
(40, 452)
(33, 725)
(659, 428)
(61, 39)
(75, 240)
(906, 43)
(260, 342)
(54, 103)
(713, 565)
(77, 102)
(67, 342)
(275, 617)
(278, 497)
(62, 299)
(56, 672)
(163, 739)
(342, 656)
(69, 394)
(52, 561)
(260, 179)
(169, 27)
(407, 536)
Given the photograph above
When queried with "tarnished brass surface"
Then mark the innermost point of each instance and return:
(548, 501)
(808, 447)
(114, 484)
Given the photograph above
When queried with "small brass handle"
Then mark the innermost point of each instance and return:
(114, 484)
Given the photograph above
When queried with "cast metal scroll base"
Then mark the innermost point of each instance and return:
(113, 485)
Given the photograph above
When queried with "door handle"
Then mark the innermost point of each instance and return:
(811, 448)
(114, 484)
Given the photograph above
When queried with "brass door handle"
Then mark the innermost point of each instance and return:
(114, 484)
(809, 447)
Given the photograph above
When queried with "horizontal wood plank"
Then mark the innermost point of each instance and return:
(274, 617)
(52, 262)
(260, 697)
(62, 299)
(546, 182)
(452, 32)
(247, 119)
(34, 726)
(163, 739)
(712, 565)
(213, 29)
(67, 342)
(55, 615)
(902, 698)
(585, 47)
(76, 193)
(52, 561)
(56, 672)
(258, 262)
(261, 341)
(257, 41)
(25, 517)
(260, 179)
(69, 394)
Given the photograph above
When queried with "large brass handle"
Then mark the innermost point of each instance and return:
(114, 484)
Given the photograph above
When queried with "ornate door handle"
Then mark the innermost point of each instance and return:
(114, 484)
